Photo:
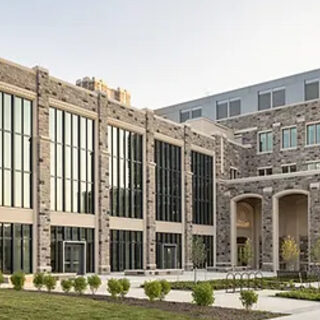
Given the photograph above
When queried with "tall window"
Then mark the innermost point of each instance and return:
(168, 181)
(15, 151)
(271, 98)
(311, 90)
(202, 185)
(61, 235)
(289, 138)
(72, 164)
(15, 247)
(265, 141)
(126, 250)
(313, 134)
(125, 172)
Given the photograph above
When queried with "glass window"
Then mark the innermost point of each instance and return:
(234, 108)
(313, 134)
(311, 90)
(264, 100)
(222, 109)
(289, 138)
(278, 97)
(288, 168)
(265, 142)
(18, 115)
(7, 111)
(196, 113)
(184, 115)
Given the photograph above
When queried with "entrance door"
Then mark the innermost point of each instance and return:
(169, 256)
(74, 258)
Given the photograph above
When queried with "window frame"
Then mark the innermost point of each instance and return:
(265, 170)
(258, 141)
(190, 111)
(310, 81)
(289, 165)
(313, 123)
(228, 101)
(271, 91)
(282, 148)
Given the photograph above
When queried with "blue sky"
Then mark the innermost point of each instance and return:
(167, 51)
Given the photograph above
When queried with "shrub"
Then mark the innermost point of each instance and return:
(50, 282)
(202, 294)
(152, 290)
(66, 285)
(125, 284)
(248, 298)
(1, 278)
(94, 283)
(165, 288)
(38, 280)
(80, 284)
(114, 287)
(18, 279)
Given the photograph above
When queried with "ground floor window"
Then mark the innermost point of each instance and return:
(169, 254)
(15, 247)
(72, 249)
(208, 242)
(126, 250)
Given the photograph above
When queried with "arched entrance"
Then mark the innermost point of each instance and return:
(290, 218)
(246, 225)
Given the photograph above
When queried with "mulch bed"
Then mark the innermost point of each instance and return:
(192, 310)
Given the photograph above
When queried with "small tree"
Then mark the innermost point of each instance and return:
(246, 256)
(289, 252)
(199, 255)
(114, 287)
(152, 290)
(38, 280)
(18, 279)
(49, 282)
(202, 294)
(315, 253)
(94, 283)
(125, 284)
(248, 298)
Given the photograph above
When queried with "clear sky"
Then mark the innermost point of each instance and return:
(164, 51)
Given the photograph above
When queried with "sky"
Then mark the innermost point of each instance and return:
(166, 51)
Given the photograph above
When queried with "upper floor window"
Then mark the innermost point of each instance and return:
(190, 114)
(313, 134)
(71, 163)
(289, 138)
(228, 108)
(233, 173)
(271, 98)
(311, 89)
(265, 141)
(15, 151)
(265, 171)
(314, 165)
(168, 181)
(125, 172)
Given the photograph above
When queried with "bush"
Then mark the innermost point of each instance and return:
(114, 287)
(66, 285)
(202, 294)
(165, 289)
(248, 298)
(50, 282)
(80, 284)
(18, 279)
(125, 284)
(94, 283)
(38, 280)
(1, 278)
(152, 290)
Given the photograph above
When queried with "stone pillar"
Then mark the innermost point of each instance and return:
(187, 195)
(313, 220)
(267, 230)
(102, 182)
(150, 214)
(43, 173)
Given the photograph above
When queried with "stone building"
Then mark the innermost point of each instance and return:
(88, 184)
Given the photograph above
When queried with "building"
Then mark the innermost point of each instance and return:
(91, 185)
(120, 95)
(267, 95)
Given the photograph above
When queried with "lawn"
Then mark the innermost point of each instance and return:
(26, 305)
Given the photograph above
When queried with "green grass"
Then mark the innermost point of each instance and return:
(24, 305)
(301, 294)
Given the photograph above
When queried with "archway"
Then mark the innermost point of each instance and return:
(290, 218)
(246, 225)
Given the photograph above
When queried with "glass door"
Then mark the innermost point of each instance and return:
(74, 258)
(169, 256)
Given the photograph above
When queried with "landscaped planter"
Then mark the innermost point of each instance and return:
(289, 274)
